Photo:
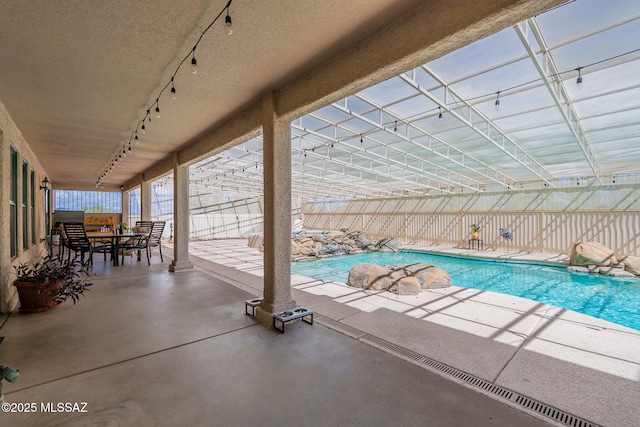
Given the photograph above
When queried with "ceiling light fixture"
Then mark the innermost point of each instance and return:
(173, 90)
(194, 63)
(227, 22)
(440, 115)
(579, 79)
(497, 103)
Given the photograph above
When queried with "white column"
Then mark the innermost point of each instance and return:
(277, 214)
(145, 200)
(180, 218)
(125, 208)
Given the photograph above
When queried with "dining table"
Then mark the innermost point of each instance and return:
(115, 239)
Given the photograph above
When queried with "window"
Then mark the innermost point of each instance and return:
(88, 201)
(13, 203)
(135, 210)
(161, 201)
(25, 199)
(33, 207)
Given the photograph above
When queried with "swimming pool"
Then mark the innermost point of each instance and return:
(614, 299)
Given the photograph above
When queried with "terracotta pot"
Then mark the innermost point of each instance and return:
(36, 297)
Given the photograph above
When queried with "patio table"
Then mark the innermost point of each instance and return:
(115, 239)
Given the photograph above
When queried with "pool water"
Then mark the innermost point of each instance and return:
(613, 299)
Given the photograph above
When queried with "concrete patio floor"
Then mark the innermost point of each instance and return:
(576, 363)
(149, 347)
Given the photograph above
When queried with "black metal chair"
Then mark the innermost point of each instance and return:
(147, 241)
(103, 246)
(76, 240)
(155, 239)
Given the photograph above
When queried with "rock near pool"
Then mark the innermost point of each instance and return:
(406, 279)
(592, 253)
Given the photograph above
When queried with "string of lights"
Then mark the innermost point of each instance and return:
(141, 126)
(393, 125)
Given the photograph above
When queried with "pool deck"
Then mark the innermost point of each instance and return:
(587, 367)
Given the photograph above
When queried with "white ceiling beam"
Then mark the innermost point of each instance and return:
(556, 90)
(513, 150)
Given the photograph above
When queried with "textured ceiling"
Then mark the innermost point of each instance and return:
(78, 75)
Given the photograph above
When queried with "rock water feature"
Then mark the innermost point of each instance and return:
(407, 279)
(592, 257)
(316, 245)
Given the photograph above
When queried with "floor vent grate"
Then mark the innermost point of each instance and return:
(523, 401)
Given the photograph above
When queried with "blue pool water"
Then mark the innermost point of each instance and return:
(614, 299)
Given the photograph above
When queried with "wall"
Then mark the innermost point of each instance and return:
(10, 135)
(548, 221)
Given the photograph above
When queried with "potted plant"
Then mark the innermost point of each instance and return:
(45, 285)
(9, 374)
(475, 232)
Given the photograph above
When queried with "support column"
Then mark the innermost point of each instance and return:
(145, 200)
(180, 218)
(277, 214)
(125, 208)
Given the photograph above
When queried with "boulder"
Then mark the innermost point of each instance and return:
(632, 265)
(394, 278)
(615, 272)
(577, 269)
(429, 276)
(362, 240)
(388, 244)
(369, 276)
(406, 286)
(592, 253)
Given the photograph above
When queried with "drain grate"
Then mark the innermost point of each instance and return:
(523, 401)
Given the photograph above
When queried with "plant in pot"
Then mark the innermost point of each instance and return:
(45, 285)
(9, 374)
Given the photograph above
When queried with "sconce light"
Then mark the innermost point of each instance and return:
(44, 185)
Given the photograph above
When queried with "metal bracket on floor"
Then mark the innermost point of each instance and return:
(288, 315)
(253, 303)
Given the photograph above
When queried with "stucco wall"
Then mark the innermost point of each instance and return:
(10, 136)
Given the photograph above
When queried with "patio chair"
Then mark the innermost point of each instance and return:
(77, 240)
(146, 241)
